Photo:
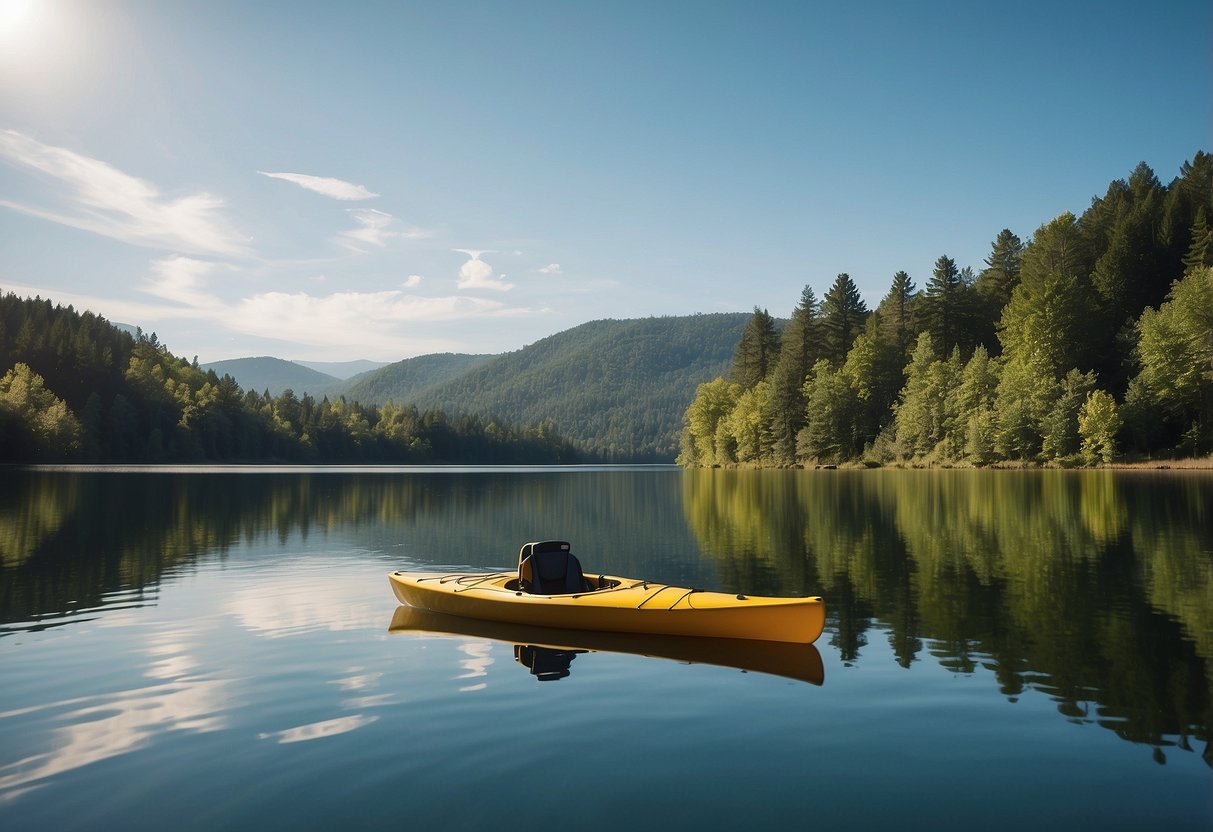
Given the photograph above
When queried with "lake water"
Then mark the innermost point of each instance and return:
(221, 650)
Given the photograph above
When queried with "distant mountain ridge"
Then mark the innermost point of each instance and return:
(403, 380)
(615, 388)
(618, 388)
(276, 375)
(343, 369)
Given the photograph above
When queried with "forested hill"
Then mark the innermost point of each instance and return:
(276, 375)
(403, 380)
(1093, 338)
(74, 387)
(614, 387)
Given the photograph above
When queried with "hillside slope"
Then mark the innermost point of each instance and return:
(276, 374)
(616, 387)
(343, 369)
(403, 380)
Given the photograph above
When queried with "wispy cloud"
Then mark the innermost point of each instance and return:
(324, 185)
(376, 228)
(181, 279)
(342, 318)
(477, 274)
(551, 268)
(412, 281)
(388, 323)
(98, 197)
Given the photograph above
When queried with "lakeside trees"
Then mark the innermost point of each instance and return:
(77, 388)
(1095, 337)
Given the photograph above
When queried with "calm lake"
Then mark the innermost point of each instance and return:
(220, 649)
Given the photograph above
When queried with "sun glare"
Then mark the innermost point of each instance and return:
(15, 16)
(44, 45)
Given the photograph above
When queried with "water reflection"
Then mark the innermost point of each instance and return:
(1093, 587)
(547, 664)
(90, 729)
(548, 653)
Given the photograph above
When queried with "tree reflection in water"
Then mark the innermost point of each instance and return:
(1093, 587)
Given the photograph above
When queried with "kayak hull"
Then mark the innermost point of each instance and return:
(621, 605)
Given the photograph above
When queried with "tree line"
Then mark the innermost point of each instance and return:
(77, 388)
(1091, 340)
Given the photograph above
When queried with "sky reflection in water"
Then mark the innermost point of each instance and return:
(173, 645)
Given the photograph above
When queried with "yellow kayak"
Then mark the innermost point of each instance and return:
(608, 603)
(778, 658)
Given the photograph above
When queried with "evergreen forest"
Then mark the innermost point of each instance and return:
(1091, 341)
(75, 387)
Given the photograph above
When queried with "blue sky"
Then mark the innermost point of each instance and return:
(332, 181)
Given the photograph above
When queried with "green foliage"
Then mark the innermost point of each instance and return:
(949, 307)
(1176, 354)
(34, 422)
(1026, 393)
(615, 389)
(1049, 322)
(1060, 303)
(969, 411)
(995, 285)
(1200, 252)
(1060, 429)
(897, 314)
(873, 370)
(757, 351)
(138, 402)
(1098, 423)
(922, 414)
(1001, 275)
(706, 436)
(800, 348)
(746, 424)
(843, 314)
(830, 433)
(405, 380)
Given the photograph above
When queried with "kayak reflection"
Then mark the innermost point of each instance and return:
(548, 653)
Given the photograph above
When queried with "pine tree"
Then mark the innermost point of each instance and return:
(843, 316)
(1057, 248)
(1001, 275)
(895, 311)
(757, 350)
(946, 298)
(969, 410)
(873, 368)
(800, 347)
(832, 408)
(1127, 272)
(1200, 252)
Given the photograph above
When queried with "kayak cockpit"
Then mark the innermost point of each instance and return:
(548, 567)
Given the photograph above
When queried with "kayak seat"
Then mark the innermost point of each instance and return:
(549, 568)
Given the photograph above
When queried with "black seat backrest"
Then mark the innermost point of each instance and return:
(549, 568)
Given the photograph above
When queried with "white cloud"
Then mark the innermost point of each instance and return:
(180, 279)
(344, 319)
(376, 228)
(385, 325)
(413, 281)
(477, 274)
(104, 200)
(325, 185)
(551, 268)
